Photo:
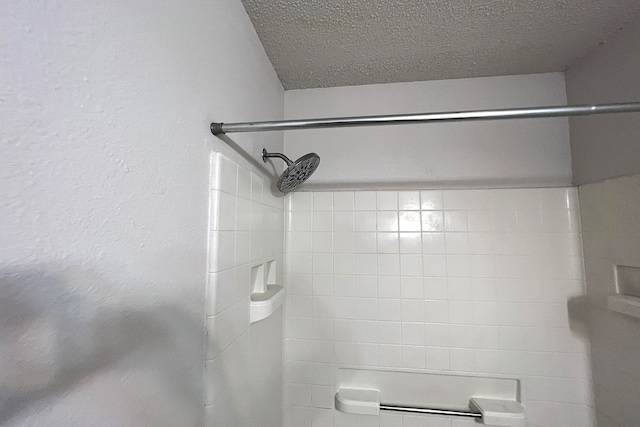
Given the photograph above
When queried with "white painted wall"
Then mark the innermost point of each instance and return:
(471, 282)
(607, 146)
(610, 214)
(104, 173)
(509, 153)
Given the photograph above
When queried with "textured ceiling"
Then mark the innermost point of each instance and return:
(323, 43)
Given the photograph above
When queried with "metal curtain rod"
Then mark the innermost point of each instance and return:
(453, 116)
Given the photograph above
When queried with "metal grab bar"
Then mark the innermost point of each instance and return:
(431, 411)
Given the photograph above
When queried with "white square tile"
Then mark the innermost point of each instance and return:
(343, 221)
(461, 312)
(434, 265)
(409, 200)
(322, 241)
(437, 358)
(390, 355)
(344, 264)
(365, 221)
(344, 242)
(220, 333)
(412, 310)
(322, 200)
(367, 308)
(505, 221)
(432, 221)
(387, 200)
(301, 221)
(386, 221)
(461, 336)
(321, 351)
(388, 265)
(389, 309)
(459, 289)
(390, 332)
(431, 200)
(503, 199)
(409, 221)
(389, 286)
(322, 397)
(436, 311)
(242, 282)
(367, 421)
(433, 243)
(390, 420)
(322, 263)
(322, 284)
(302, 201)
(366, 354)
(343, 201)
(367, 331)
(462, 359)
(437, 334)
(455, 221)
(455, 199)
(322, 221)
(256, 188)
(480, 221)
(411, 243)
(413, 333)
(435, 288)
(365, 243)
(413, 357)
(222, 250)
(411, 265)
(344, 308)
(412, 287)
(220, 291)
(322, 329)
(243, 214)
(366, 264)
(457, 243)
(365, 200)
(344, 330)
(367, 285)
(244, 183)
(243, 247)
(479, 199)
(344, 285)
(388, 243)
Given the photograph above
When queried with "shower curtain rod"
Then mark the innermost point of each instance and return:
(403, 119)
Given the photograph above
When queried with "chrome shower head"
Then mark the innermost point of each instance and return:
(296, 172)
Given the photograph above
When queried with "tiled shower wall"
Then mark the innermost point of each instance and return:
(243, 367)
(610, 213)
(467, 281)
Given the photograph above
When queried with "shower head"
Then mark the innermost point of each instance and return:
(296, 172)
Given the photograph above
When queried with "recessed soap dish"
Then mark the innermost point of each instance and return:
(266, 295)
(626, 300)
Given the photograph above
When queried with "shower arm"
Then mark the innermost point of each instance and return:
(266, 155)
(453, 116)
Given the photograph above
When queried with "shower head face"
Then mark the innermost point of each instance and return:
(298, 172)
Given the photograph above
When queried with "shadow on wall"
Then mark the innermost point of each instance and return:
(53, 336)
(578, 309)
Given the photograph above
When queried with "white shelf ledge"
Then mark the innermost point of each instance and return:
(624, 304)
(499, 412)
(264, 304)
(358, 401)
